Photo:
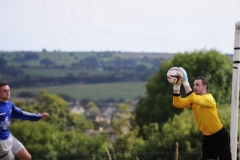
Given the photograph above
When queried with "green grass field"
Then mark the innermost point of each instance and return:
(51, 72)
(128, 91)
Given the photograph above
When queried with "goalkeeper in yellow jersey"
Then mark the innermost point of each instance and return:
(216, 139)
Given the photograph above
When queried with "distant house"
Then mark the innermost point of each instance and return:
(102, 125)
(108, 111)
(102, 122)
(77, 108)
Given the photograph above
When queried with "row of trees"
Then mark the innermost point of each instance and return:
(118, 76)
(104, 60)
(150, 132)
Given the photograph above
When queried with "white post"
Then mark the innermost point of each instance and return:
(235, 92)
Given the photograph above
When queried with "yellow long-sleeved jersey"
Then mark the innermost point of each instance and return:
(204, 110)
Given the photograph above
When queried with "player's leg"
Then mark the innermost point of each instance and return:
(23, 154)
(223, 149)
(207, 148)
(19, 150)
(5, 149)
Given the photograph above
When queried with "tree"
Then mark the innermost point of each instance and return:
(92, 111)
(31, 56)
(46, 141)
(127, 140)
(141, 68)
(157, 107)
(57, 108)
(47, 62)
(177, 129)
(89, 62)
(40, 138)
(26, 94)
(180, 128)
(56, 135)
(3, 62)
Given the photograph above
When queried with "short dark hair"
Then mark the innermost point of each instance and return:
(204, 81)
(3, 84)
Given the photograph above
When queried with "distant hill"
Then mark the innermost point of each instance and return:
(63, 73)
(61, 68)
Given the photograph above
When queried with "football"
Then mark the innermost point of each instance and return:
(173, 77)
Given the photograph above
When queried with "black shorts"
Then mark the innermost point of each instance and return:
(217, 146)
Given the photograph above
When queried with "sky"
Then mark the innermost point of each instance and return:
(168, 26)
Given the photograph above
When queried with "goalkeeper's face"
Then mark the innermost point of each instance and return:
(198, 87)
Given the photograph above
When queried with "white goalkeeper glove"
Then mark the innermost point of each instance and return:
(183, 74)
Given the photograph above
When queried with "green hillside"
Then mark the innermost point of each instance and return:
(127, 90)
(93, 75)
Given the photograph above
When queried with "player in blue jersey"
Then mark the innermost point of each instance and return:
(9, 145)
